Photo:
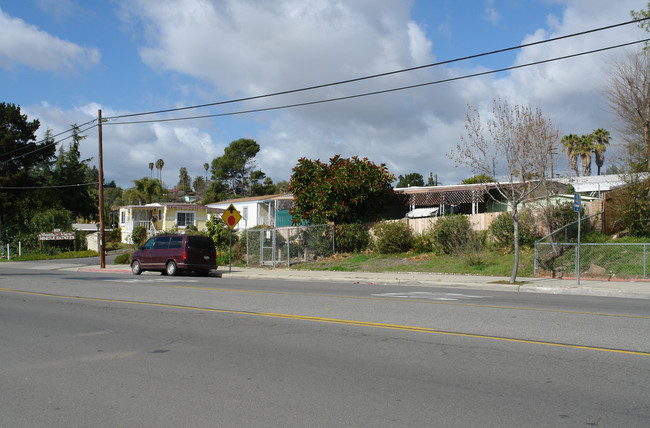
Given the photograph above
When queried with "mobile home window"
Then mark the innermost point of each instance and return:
(184, 219)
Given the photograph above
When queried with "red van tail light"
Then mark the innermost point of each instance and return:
(184, 255)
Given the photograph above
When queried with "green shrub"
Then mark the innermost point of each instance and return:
(123, 259)
(139, 235)
(501, 230)
(424, 242)
(451, 234)
(594, 237)
(351, 237)
(219, 232)
(393, 237)
(318, 240)
(115, 235)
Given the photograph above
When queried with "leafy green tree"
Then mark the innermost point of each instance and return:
(265, 188)
(236, 165)
(412, 179)
(432, 181)
(217, 191)
(24, 165)
(343, 191)
(71, 170)
(282, 186)
(480, 178)
(199, 185)
(630, 207)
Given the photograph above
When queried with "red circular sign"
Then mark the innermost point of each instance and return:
(232, 220)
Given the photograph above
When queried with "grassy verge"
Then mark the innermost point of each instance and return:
(489, 263)
(42, 256)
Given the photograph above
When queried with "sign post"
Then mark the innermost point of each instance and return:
(231, 217)
(576, 208)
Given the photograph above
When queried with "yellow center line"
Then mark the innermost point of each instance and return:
(336, 321)
(335, 296)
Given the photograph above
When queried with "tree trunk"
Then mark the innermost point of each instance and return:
(515, 265)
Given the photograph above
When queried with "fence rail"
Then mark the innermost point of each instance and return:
(602, 261)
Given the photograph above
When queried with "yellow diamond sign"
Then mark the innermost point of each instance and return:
(231, 217)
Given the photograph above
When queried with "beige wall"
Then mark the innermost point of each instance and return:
(478, 222)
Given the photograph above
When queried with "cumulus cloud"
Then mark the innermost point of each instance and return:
(22, 44)
(252, 47)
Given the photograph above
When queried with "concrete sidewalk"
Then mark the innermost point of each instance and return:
(629, 289)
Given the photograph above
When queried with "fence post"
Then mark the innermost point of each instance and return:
(8, 252)
(333, 244)
(644, 261)
(20, 248)
(535, 262)
(288, 248)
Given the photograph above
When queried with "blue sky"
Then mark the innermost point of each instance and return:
(62, 60)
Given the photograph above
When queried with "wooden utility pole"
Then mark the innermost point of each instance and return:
(102, 255)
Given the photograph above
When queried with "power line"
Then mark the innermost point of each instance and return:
(373, 76)
(51, 137)
(52, 143)
(50, 187)
(384, 91)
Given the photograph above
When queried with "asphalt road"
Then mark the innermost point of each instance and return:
(88, 349)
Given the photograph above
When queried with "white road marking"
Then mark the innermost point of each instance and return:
(430, 295)
(150, 281)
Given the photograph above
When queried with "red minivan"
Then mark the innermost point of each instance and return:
(172, 253)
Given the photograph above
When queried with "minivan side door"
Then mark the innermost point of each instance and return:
(159, 253)
(145, 251)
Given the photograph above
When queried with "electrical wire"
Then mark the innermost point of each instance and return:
(51, 137)
(49, 187)
(52, 143)
(384, 91)
(373, 76)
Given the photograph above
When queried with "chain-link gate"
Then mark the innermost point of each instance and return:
(562, 257)
(289, 245)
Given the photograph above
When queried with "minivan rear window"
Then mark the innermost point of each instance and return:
(200, 243)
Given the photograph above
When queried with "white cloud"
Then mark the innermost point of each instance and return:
(491, 13)
(128, 149)
(249, 47)
(22, 44)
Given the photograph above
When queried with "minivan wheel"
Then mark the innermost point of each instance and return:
(171, 268)
(136, 268)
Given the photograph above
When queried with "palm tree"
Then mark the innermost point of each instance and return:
(601, 137)
(151, 169)
(159, 166)
(585, 147)
(206, 166)
(570, 143)
(184, 177)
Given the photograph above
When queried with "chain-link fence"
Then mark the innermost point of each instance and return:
(558, 255)
(288, 245)
(602, 261)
